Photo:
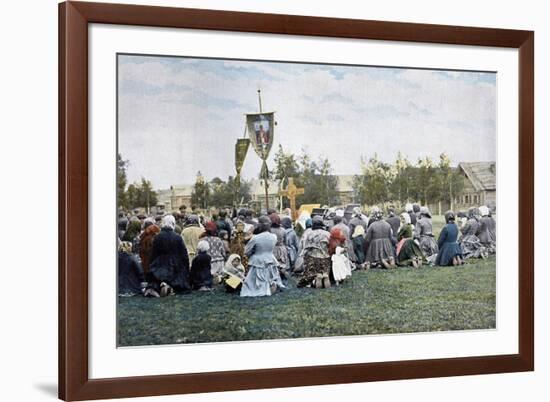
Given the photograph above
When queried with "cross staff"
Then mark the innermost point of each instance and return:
(291, 192)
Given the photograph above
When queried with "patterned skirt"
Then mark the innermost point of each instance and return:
(471, 247)
(312, 267)
(428, 245)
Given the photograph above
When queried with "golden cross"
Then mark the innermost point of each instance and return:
(291, 192)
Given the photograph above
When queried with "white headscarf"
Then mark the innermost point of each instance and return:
(406, 217)
(168, 221)
(408, 208)
(358, 231)
(203, 245)
(304, 216)
(147, 222)
(484, 210)
(238, 271)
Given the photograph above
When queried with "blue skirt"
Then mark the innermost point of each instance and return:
(447, 252)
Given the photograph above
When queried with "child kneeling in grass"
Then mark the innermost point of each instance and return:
(201, 276)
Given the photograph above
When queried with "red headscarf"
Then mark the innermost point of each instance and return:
(337, 238)
(275, 220)
(211, 228)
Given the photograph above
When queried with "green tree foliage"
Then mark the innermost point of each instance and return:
(286, 165)
(318, 181)
(141, 195)
(400, 182)
(402, 174)
(316, 177)
(136, 195)
(374, 183)
(426, 181)
(121, 181)
(201, 192)
(451, 181)
(224, 193)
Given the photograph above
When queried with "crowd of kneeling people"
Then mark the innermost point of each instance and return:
(258, 256)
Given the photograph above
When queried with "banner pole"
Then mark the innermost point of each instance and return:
(266, 173)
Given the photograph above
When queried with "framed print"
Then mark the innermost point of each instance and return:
(259, 200)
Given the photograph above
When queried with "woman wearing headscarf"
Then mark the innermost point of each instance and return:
(339, 224)
(380, 250)
(486, 233)
(216, 251)
(233, 274)
(424, 234)
(132, 233)
(469, 242)
(340, 263)
(317, 263)
(299, 265)
(191, 234)
(169, 268)
(238, 241)
(280, 252)
(359, 245)
(337, 239)
(150, 230)
(394, 221)
(262, 278)
(409, 209)
(449, 250)
(224, 237)
(201, 275)
(408, 252)
(416, 211)
(301, 223)
(358, 218)
(122, 224)
(291, 241)
(131, 280)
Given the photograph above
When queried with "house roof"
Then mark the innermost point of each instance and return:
(482, 175)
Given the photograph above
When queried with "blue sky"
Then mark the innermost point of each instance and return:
(180, 115)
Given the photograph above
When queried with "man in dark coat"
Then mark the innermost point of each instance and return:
(169, 260)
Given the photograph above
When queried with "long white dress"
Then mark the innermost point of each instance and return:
(341, 266)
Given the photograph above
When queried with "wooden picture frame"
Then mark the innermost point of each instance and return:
(74, 382)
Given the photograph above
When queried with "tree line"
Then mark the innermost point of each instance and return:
(402, 181)
(134, 195)
(220, 193)
(425, 181)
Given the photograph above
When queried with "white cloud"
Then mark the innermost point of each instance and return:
(177, 118)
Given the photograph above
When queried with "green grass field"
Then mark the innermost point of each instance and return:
(371, 302)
